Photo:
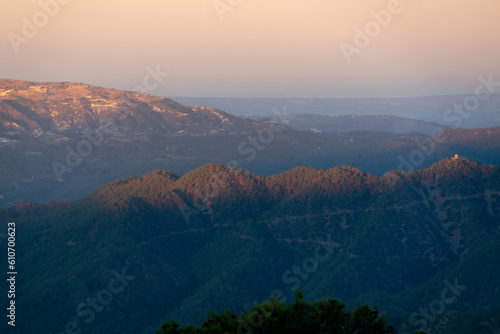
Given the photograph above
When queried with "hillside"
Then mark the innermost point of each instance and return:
(63, 140)
(221, 237)
(53, 111)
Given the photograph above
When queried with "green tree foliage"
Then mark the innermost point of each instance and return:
(274, 316)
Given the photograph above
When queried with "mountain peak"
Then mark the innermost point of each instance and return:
(457, 164)
(30, 108)
(151, 183)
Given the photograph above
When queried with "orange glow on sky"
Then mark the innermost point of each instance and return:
(261, 48)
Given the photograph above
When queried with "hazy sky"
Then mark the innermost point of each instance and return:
(255, 48)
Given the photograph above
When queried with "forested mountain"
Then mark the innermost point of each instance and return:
(63, 140)
(139, 251)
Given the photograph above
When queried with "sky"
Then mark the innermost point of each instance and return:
(255, 48)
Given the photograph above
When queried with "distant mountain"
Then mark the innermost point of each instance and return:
(54, 111)
(438, 109)
(349, 123)
(140, 250)
(63, 140)
(52, 135)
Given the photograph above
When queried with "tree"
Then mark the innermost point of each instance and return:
(274, 316)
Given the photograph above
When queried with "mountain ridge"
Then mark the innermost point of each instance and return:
(354, 123)
(65, 107)
(220, 231)
(62, 140)
(425, 108)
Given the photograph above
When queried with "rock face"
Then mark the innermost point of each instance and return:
(58, 110)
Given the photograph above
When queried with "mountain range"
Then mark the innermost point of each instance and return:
(355, 123)
(63, 140)
(439, 109)
(422, 245)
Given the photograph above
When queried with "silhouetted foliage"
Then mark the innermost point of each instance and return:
(274, 316)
